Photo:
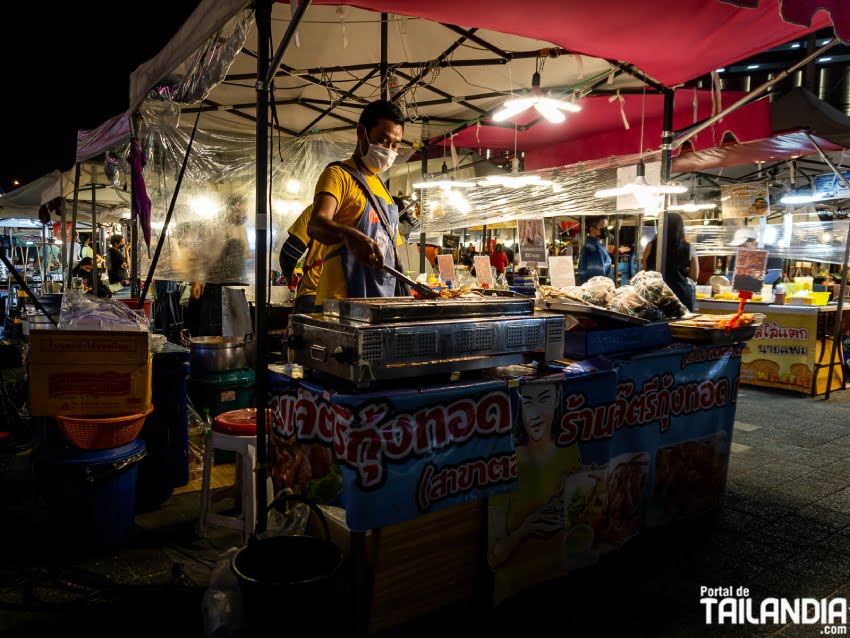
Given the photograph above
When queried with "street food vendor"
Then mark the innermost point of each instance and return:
(357, 239)
(594, 260)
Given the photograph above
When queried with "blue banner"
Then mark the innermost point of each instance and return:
(619, 445)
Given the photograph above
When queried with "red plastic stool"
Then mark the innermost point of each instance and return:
(235, 431)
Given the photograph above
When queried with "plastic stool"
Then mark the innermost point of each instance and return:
(235, 431)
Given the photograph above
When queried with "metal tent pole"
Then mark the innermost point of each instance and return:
(95, 275)
(666, 173)
(74, 222)
(422, 234)
(840, 310)
(63, 261)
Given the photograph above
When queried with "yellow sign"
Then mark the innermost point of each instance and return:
(782, 352)
(745, 200)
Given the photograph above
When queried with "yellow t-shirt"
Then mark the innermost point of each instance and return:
(351, 200)
(312, 260)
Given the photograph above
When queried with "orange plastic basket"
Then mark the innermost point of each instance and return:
(102, 433)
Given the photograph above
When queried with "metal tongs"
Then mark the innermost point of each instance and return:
(422, 289)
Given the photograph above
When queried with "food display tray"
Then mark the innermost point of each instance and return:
(594, 312)
(714, 336)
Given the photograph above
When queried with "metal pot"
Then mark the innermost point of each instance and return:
(220, 354)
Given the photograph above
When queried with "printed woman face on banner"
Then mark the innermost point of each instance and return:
(539, 405)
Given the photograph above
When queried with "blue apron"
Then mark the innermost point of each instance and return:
(362, 281)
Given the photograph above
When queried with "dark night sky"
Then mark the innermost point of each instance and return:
(66, 66)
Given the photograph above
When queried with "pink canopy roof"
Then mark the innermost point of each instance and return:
(597, 131)
(671, 40)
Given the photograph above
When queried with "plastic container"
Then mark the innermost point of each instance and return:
(223, 391)
(91, 433)
(703, 292)
(166, 430)
(301, 572)
(804, 282)
(91, 495)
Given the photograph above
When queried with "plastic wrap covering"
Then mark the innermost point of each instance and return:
(598, 291)
(818, 241)
(208, 239)
(192, 81)
(87, 312)
(567, 191)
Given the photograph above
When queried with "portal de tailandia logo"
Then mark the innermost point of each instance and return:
(733, 606)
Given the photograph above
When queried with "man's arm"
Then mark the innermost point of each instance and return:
(323, 229)
(291, 252)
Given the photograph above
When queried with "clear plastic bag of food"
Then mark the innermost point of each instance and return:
(598, 291)
(650, 285)
(87, 312)
(628, 302)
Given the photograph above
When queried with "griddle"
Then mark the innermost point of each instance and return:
(385, 310)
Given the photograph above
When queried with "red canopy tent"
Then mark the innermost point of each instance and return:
(598, 130)
(671, 40)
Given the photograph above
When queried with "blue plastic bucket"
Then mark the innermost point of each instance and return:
(91, 494)
(166, 430)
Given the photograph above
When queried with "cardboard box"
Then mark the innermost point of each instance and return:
(89, 389)
(89, 347)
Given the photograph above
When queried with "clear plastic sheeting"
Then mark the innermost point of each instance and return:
(211, 236)
(817, 241)
(561, 193)
(207, 67)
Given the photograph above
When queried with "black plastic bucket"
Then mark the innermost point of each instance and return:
(295, 574)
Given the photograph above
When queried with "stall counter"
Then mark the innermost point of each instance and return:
(791, 349)
(416, 469)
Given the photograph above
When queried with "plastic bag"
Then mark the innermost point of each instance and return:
(628, 302)
(650, 285)
(87, 312)
(293, 522)
(222, 602)
(197, 444)
(598, 291)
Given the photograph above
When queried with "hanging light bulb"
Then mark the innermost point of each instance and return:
(445, 182)
(515, 179)
(550, 108)
(641, 187)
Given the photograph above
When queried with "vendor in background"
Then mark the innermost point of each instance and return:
(117, 262)
(594, 260)
(357, 240)
(467, 257)
(682, 266)
(499, 260)
(510, 255)
(294, 248)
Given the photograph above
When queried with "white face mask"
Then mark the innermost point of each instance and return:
(378, 158)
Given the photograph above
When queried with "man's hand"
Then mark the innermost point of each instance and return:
(364, 249)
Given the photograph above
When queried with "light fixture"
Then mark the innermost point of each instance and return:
(549, 107)
(800, 198)
(752, 66)
(640, 187)
(445, 182)
(293, 186)
(515, 179)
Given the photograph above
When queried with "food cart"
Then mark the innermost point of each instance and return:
(473, 443)
(792, 349)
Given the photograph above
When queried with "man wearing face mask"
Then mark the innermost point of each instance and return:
(354, 217)
(594, 260)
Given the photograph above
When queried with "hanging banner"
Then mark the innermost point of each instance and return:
(532, 242)
(451, 242)
(619, 446)
(745, 200)
(782, 352)
(829, 186)
(391, 456)
(561, 271)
